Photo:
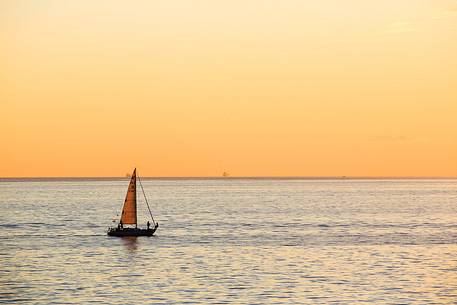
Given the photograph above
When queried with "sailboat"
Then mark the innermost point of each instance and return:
(128, 225)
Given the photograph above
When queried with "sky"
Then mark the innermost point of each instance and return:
(252, 88)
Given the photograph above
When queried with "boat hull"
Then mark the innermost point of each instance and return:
(131, 232)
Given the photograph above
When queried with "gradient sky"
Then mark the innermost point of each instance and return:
(254, 88)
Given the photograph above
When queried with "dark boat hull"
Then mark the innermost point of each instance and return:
(131, 232)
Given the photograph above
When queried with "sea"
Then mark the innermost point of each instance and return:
(231, 241)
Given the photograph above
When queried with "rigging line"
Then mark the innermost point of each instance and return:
(146, 199)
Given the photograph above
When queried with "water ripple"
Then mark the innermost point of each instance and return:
(232, 242)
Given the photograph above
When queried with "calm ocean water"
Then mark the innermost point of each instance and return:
(231, 242)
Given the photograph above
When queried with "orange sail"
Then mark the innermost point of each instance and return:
(129, 211)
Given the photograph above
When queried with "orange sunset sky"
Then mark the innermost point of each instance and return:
(254, 88)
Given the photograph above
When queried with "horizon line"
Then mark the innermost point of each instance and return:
(229, 177)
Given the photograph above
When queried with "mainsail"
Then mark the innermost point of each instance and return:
(129, 211)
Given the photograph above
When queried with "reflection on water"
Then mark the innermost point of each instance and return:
(130, 242)
(232, 241)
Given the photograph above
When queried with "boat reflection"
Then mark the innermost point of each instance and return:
(130, 242)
